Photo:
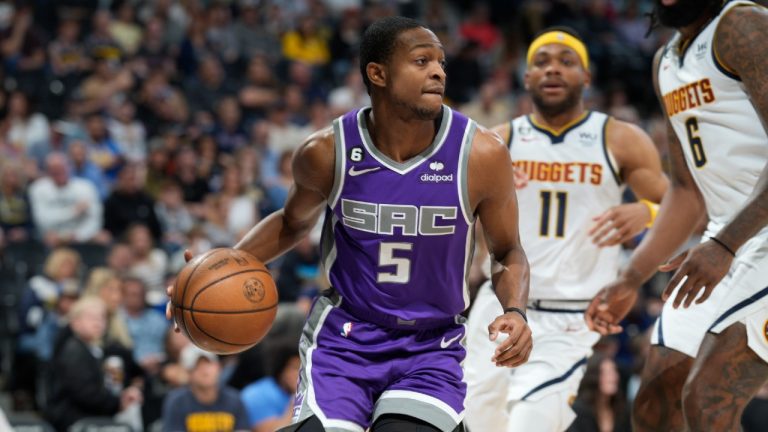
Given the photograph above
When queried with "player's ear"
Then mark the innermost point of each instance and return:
(377, 74)
(587, 78)
(526, 83)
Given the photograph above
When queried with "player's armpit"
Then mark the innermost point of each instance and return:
(638, 160)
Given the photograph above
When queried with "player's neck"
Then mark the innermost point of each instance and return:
(689, 32)
(560, 120)
(397, 137)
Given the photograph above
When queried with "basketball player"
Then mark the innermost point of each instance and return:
(577, 163)
(401, 184)
(710, 344)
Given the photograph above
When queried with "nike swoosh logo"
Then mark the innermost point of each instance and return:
(354, 173)
(446, 343)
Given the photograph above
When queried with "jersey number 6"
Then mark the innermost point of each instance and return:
(697, 147)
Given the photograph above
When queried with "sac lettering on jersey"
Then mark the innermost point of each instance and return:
(384, 218)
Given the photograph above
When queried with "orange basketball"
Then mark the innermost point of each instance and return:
(224, 300)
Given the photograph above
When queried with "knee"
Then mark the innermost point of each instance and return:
(647, 406)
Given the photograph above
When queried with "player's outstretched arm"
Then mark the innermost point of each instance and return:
(681, 208)
(740, 45)
(313, 168)
(492, 195)
(640, 166)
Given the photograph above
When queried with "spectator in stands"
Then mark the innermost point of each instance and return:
(120, 258)
(491, 106)
(229, 133)
(104, 150)
(194, 187)
(299, 271)
(149, 262)
(109, 81)
(106, 285)
(175, 220)
(29, 130)
(129, 133)
(222, 37)
(124, 29)
(277, 188)
(307, 43)
(66, 54)
(601, 404)
(128, 204)
(243, 201)
(204, 405)
(83, 167)
(15, 213)
(78, 381)
(37, 301)
(22, 48)
(77, 217)
(259, 90)
(254, 38)
(146, 326)
(215, 226)
(269, 401)
(208, 87)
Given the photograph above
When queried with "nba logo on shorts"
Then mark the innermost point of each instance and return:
(346, 329)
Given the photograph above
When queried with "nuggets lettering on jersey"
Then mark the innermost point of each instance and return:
(398, 239)
(718, 128)
(558, 172)
(688, 97)
(571, 180)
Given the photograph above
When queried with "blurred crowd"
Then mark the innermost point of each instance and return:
(131, 130)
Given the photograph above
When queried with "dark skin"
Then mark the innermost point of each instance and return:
(407, 96)
(707, 394)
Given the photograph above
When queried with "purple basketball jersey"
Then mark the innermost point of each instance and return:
(398, 239)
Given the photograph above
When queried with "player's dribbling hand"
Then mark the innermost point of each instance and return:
(516, 348)
(619, 224)
(169, 292)
(701, 267)
(610, 306)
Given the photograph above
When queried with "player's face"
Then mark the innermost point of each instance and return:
(680, 13)
(416, 73)
(556, 79)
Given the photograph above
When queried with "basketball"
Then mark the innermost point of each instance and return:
(224, 301)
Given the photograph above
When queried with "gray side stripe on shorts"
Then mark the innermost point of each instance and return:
(414, 408)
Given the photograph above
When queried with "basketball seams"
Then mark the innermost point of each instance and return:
(235, 312)
(209, 284)
(202, 330)
(202, 258)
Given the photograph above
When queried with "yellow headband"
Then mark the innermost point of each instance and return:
(562, 38)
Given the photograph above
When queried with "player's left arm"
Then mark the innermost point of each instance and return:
(492, 196)
(640, 167)
(741, 43)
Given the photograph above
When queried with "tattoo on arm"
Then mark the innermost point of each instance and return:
(750, 62)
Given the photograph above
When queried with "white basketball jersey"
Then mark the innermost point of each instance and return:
(725, 144)
(571, 180)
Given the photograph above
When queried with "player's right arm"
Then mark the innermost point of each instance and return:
(681, 207)
(313, 168)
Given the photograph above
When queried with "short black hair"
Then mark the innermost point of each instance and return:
(561, 28)
(379, 40)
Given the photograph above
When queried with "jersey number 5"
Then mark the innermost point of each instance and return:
(402, 273)
(697, 147)
(546, 204)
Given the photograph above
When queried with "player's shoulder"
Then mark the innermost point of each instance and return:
(314, 161)
(488, 140)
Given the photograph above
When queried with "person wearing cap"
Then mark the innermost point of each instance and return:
(204, 404)
(571, 167)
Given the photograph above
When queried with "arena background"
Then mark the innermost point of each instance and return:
(172, 123)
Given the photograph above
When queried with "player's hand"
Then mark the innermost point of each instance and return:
(169, 292)
(611, 305)
(619, 224)
(520, 177)
(699, 268)
(516, 348)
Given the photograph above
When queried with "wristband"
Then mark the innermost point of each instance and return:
(518, 310)
(723, 245)
(653, 208)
